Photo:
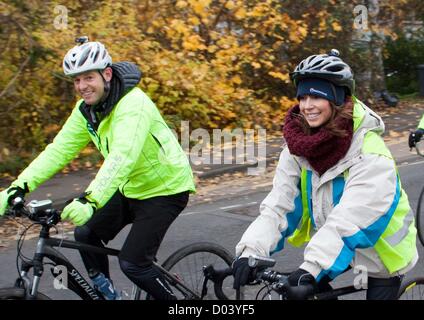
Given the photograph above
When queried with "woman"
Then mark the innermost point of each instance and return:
(336, 186)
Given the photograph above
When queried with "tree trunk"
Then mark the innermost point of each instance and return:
(368, 43)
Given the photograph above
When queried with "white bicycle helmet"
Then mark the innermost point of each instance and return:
(325, 66)
(85, 57)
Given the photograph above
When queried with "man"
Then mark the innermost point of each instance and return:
(416, 135)
(145, 178)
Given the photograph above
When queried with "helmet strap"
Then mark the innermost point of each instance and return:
(106, 88)
(335, 95)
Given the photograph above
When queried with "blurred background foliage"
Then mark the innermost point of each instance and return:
(216, 63)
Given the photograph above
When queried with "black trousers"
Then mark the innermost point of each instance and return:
(378, 288)
(150, 220)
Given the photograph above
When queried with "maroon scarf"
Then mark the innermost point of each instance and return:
(322, 149)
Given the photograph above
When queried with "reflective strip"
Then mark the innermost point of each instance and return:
(399, 235)
(308, 199)
(358, 113)
(373, 143)
(364, 238)
(421, 124)
(293, 219)
(302, 233)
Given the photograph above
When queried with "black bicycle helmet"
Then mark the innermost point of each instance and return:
(325, 66)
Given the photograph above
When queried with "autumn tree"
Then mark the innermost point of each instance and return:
(216, 63)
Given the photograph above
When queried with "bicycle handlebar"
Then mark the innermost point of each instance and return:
(40, 212)
(279, 281)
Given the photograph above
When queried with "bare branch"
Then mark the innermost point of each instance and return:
(26, 61)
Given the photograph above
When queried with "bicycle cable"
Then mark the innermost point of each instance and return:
(63, 235)
(20, 243)
(266, 286)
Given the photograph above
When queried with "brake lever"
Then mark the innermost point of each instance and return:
(16, 207)
(300, 292)
(54, 218)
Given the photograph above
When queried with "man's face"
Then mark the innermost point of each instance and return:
(90, 86)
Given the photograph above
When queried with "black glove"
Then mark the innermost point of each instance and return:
(415, 137)
(14, 192)
(242, 272)
(301, 277)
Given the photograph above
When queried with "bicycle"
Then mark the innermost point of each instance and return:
(188, 278)
(420, 205)
(275, 285)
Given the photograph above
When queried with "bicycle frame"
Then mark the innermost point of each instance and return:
(328, 295)
(42, 213)
(76, 282)
(336, 293)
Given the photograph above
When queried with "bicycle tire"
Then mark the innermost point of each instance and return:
(216, 254)
(18, 294)
(418, 220)
(412, 289)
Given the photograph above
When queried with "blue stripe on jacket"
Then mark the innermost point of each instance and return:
(293, 219)
(338, 187)
(309, 195)
(364, 238)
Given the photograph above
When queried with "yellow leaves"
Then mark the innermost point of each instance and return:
(286, 102)
(298, 33)
(223, 88)
(336, 26)
(212, 48)
(256, 65)
(240, 13)
(192, 69)
(236, 79)
(150, 30)
(282, 76)
(179, 26)
(230, 5)
(266, 62)
(200, 73)
(258, 11)
(193, 43)
(322, 27)
(194, 21)
(6, 152)
(200, 7)
(303, 31)
(181, 4)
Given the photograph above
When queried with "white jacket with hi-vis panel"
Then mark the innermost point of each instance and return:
(355, 214)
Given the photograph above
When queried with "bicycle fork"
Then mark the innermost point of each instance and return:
(31, 287)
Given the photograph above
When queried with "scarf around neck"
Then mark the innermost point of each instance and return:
(321, 148)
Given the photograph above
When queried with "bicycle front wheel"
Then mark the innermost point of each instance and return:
(18, 294)
(412, 289)
(187, 265)
(419, 219)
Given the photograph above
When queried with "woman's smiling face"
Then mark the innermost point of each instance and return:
(316, 111)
